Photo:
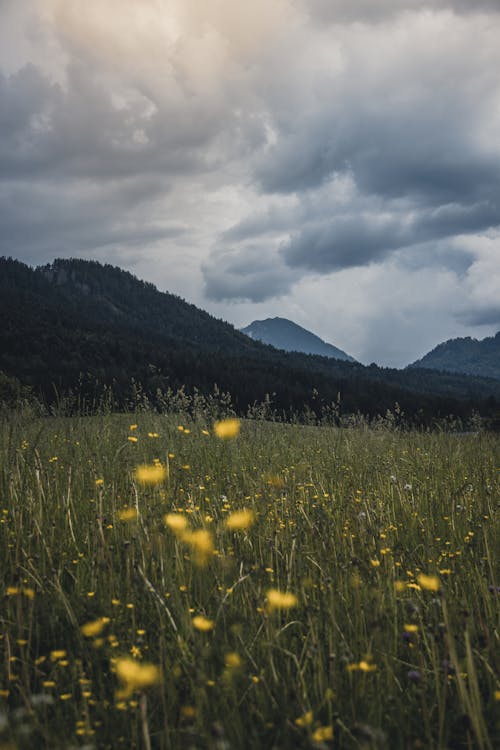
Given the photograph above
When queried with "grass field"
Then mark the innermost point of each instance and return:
(353, 604)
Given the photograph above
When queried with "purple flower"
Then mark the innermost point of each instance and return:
(414, 675)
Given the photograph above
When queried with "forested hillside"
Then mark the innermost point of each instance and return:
(78, 325)
(465, 355)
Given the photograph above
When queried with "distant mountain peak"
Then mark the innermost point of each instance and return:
(289, 336)
(465, 355)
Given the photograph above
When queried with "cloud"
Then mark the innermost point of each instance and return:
(360, 238)
(377, 11)
(258, 155)
(45, 221)
(249, 273)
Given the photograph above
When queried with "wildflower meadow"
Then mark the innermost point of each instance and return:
(170, 582)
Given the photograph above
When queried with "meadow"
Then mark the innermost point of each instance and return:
(289, 586)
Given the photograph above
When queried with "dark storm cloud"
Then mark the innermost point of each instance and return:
(407, 119)
(80, 131)
(481, 316)
(358, 239)
(44, 220)
(246, 274)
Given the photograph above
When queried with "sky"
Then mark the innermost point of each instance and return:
(329, 161)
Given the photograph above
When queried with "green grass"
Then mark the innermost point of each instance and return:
(341, 517)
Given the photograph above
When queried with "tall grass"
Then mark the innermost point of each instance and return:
(371, 656)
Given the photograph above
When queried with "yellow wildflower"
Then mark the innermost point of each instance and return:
(280, 600)
(410, 628)
(201, 542)
(151, 473)
(362, 666)
(232, 660)
(240, 520)
(132, 439)
(305, 720)
(365, 666)
(99, 482)
(227, 428)
(203, 623)
(176, 522)
(135, 676)
(94, 627)
(127, 514)
(322, 733)
(429, 583)
(58, 654)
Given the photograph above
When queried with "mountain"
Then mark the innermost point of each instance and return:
(79, 327)
(284, 334)
(465, 355)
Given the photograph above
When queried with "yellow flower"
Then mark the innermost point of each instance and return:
(58, 654)
(429, 583)
(176, 522)
(399, 586)
(410, 628)
(305, 720)
(99, 482)
(232, 660)
(133, 427)
(94, 627)
(132, 439)
(151, 473)
(375, 563)
(127, 514)
(201, 542)
(496, 695)
(365, 666)
(280, 600)
(203, 623)
(322, 733)
(241, 519)
(227, 428)
(362, 666)
(135, 676)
